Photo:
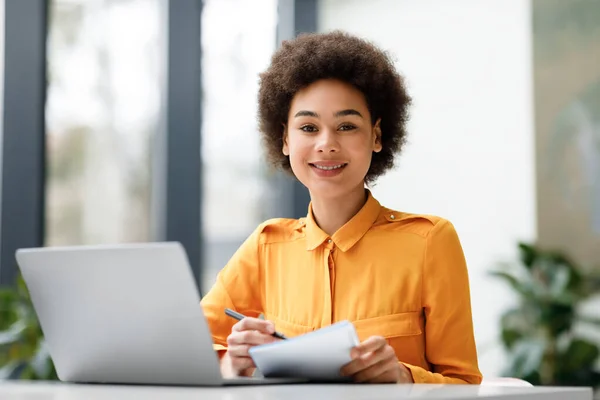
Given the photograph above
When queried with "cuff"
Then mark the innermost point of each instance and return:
(421, 375)
(414, 372)
(220, 350)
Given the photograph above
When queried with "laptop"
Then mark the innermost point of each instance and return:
(124, 314)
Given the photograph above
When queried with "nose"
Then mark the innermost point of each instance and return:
(327, 141)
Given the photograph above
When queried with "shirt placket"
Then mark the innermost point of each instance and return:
(329, 278)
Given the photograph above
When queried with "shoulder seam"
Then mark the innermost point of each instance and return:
(264, 243)
(436, 225)
(291, 223)
(399, 216)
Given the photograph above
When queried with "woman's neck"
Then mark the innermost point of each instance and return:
(331, 213)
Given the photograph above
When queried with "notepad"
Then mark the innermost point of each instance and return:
(317, 355)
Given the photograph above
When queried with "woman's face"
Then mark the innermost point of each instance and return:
(329, 138)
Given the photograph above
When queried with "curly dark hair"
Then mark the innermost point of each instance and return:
(335, 55)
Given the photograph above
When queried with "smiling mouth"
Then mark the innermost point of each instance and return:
(329, 167)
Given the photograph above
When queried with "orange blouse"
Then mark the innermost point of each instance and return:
(397, 275)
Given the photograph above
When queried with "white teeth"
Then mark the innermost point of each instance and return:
(328, 168)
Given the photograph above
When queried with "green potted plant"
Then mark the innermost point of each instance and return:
(538, 334)
(23, 353)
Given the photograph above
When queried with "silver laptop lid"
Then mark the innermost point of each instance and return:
(125, 313)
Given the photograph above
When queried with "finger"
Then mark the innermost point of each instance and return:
(372, 344)
(254, 324)
(253, 338)
(239, 350)
(359, 364)
(366, 360)
(382, 371)
(242, 363)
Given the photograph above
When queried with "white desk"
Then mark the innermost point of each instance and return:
(59, 391)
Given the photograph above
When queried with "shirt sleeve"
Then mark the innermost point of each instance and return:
(236, 287)
(450, 340)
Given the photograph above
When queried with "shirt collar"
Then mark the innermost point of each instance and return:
(350, 233)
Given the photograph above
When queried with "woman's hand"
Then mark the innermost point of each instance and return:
(374, 361)
(245, 334)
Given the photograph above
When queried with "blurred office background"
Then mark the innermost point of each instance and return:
(134, 120)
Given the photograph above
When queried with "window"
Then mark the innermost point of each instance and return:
(238, 39)
(102, 111)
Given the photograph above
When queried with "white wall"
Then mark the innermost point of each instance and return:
(471, 153)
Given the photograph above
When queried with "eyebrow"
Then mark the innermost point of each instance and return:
(347, 112)
(342, 113)
(304, 113)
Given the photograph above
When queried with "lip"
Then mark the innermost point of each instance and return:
(328, 163)
(327, 173)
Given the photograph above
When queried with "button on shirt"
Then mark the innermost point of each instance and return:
(397, 275)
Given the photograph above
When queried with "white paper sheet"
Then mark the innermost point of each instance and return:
(317, 355)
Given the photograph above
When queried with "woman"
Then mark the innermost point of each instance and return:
(333, 110)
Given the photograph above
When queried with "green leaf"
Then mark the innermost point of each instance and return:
(7, 295)
(12, 334)
(590, 284)
(510, 337)
(9, 369)
(22, 288)
(528, 255)
(558, 318)
(23, 353)
(521, 287)
(588, 319)
(527, 357)
(559, 281)
(566, 299)
(41, 362)
(8, 299)
(561, 259)
(580, 354)
(515, 326)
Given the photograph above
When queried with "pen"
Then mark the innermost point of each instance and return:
(239, 317)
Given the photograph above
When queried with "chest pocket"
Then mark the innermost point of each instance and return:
(402, 331)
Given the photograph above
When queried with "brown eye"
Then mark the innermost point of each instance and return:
(308, 128)
(347, 127)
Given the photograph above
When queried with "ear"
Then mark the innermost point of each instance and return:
(377, 146)
(285, 149)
